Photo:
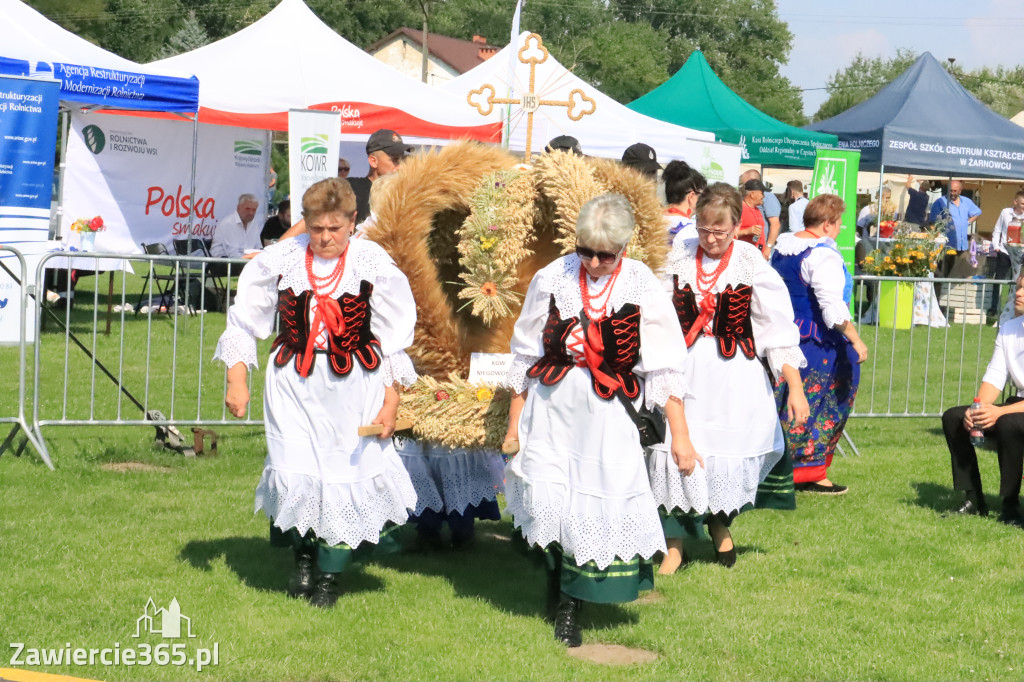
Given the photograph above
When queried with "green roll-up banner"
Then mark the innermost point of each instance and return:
(835, 172)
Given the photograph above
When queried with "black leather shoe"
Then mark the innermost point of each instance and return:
(301, 583)
(968, 508)
(325, 594)
(726, 558)
(567, 622)
(1012, 520)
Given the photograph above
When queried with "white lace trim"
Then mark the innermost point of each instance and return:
(833, 315)
(516, 379)
(236, 345)
(562, 278)
(743, 265)
(450, 480)
(726, 485)
(365, 261)
(661, 384)
(790, 245)
(588, 528)
(398, 367)
(349, 513)
(787, 355)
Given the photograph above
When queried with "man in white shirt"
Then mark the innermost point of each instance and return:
(1007, 230)
(237, 234)
(795, 188)
(1004, 423)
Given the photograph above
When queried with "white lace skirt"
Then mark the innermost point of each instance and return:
(580, 478)
(733, 425)
(319, 474)
(449, 480)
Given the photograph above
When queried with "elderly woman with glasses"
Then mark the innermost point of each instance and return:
(596, 330)
(734, 312)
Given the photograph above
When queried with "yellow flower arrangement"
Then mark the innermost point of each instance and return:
(913, 254)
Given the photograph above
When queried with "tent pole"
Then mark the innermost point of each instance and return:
(192, 205)
(65, 126)
(878, 209)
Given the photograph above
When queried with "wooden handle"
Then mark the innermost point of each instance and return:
(510, 447)
(377, 429)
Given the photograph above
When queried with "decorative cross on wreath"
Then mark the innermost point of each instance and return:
(533, 53)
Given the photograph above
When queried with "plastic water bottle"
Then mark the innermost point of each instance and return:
(977, 435)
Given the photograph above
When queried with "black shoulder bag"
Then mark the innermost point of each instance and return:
(649, 424)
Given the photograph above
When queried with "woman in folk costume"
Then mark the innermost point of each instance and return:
(683, 185)
(347, 316)
(820, 287)
(596, 330)
(734, 310)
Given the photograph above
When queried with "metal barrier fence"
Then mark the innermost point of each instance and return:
(140, 353)
(152, 364)
(929, 341)
(20, 278)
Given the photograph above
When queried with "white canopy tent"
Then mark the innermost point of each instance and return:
(290, 59)
(605, 133)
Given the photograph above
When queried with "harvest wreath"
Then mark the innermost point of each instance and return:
(469, 228)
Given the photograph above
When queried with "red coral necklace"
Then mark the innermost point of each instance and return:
(597, 312)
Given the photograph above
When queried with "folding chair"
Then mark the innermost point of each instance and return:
(166, 285)
(211, 273)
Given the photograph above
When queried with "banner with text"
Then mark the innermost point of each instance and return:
(136, 174)
(313, 139)
(835, 172)
(28, 140)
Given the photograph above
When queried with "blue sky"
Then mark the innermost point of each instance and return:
(827, 34)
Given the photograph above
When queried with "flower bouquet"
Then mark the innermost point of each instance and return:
(911, 253)
(88, 228)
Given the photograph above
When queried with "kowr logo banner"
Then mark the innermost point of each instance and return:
(313, 140)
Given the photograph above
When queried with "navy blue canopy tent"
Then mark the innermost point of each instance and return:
(926, 121)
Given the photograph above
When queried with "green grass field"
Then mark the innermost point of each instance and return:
(875, 585)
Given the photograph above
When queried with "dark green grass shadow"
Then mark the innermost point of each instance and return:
(261, 566)
(497, 571)
(944, 499)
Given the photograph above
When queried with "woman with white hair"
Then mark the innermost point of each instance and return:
(597, 342)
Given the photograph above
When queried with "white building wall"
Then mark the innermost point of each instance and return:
(407, 57)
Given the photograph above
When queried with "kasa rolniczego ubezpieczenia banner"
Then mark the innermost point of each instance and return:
(136, 173)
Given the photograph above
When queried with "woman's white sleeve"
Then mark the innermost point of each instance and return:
(393, 323)
(527, 345)
(251, 316)
(662, 349)
(823, 270)
(776, 335)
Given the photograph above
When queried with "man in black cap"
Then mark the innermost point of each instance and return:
(643, 158)
(564, 143)
(384, 152)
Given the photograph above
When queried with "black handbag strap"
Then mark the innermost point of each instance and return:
(619, 393)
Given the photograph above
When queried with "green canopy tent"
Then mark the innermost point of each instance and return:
(697, 98)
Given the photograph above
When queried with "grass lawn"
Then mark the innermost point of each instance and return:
(875, 585)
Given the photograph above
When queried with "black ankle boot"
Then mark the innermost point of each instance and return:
(567, 622)
(325, 594)
(301, 583)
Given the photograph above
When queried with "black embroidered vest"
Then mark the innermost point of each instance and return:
(620, 333)
(731, 325)
(357, 339)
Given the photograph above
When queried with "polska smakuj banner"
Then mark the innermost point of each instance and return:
(835, 172)
(313, 141)
(136, 173)
(28, 140)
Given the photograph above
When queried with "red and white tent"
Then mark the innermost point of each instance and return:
(290, 59)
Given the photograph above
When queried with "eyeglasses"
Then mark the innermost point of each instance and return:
(343, 169)
(602, 256)
(717, 234)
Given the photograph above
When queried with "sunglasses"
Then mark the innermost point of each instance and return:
(603, 257)
(343, 169)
